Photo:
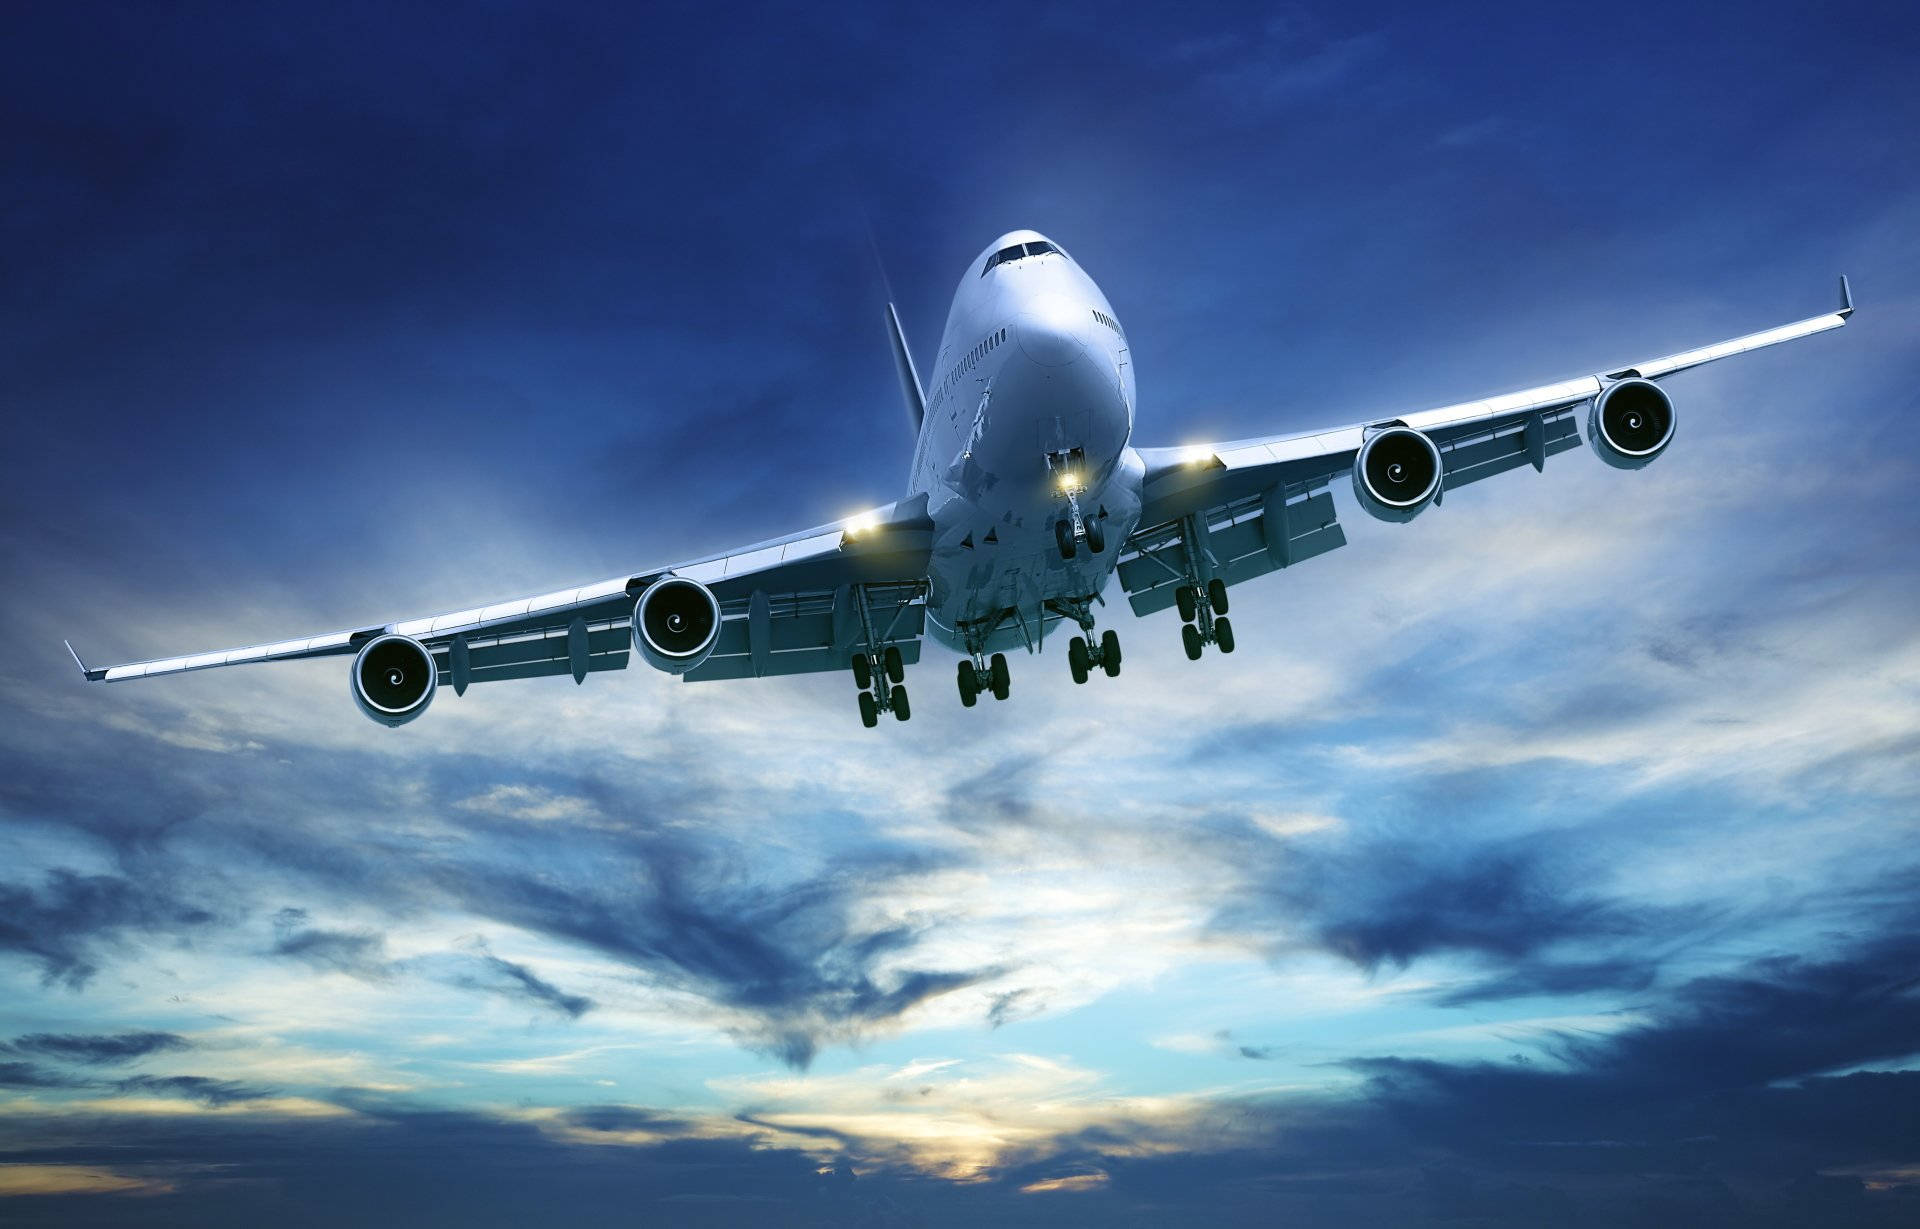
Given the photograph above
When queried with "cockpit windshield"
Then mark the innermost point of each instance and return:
(1018, 251)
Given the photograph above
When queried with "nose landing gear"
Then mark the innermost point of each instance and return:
(1070, 479)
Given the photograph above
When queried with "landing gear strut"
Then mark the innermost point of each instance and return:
(1202, 600)
(878, 672)
(1070, 479)
(1085, 653)
(980, 673)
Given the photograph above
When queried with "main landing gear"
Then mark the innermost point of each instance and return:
(980, 674)
(1203, 614)
(1085, 654)
(879, 677)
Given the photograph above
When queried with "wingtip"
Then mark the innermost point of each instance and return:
(1846, 298)
(90, 673)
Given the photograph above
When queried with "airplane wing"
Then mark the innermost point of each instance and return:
(1235, 510)
(791, 605)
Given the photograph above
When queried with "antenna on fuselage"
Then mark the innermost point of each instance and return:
(910, 389)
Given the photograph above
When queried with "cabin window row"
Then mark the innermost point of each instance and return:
(974, 355)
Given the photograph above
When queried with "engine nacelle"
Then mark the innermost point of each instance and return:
(1631, 423)
(393, 679)
(676, 623)
(1397, 473)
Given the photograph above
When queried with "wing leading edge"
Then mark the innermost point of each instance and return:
(770, 595)
(1239, 509)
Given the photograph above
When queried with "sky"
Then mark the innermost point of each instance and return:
(1549, 859)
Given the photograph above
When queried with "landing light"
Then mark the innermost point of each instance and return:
(1196, 454)
(861, 524)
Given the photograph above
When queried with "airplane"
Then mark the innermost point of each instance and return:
(1026, 497)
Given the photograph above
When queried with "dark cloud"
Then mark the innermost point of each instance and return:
(32, 1075)
(788, 955)
(622, 1118)
(516, 981)
(99, 1050)
(205, 1089)
(1519, 907)
(62, 923)
(361, 954)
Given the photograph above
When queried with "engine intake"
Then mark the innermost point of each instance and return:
(676, 623)
(1397, 473)
(1631, 423)
(393, 679)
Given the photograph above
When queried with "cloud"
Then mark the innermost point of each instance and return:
(204, 1089)
(516, 981)
(358, 953)
(32, 1075)
(1520, 908)
(99, 1050)
(62, 923)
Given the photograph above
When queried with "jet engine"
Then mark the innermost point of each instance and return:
(393, 679)
(1397, 473)
(1631, 423)
(676, 623)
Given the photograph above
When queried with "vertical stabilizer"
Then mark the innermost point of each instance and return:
(903, 363)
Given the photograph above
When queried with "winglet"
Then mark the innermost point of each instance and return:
(1846, 298)
(92, 676)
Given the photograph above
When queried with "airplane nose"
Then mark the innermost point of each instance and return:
(1052, 333)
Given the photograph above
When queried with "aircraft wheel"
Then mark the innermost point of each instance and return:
(1063, 535)
(1110, 653)
(1096, 536)
(862, 671)
(1189, 608)
(896, 668)
(1217, 594)
(969, 685)
(997, 669)
(869, 711)
(901, 709)
(1077, 659)
(1190, 636)
(1223, 635)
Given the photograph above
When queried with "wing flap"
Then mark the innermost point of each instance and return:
(1507, 445)
(1242, 541)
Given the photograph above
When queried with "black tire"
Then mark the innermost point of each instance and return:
(1063, 534)
(901, 709)
(896, 668)
(1077, 660)
(969, 685)
(1190, 636)
(869, 711)
(862, 671)
(1096, 536)
(1184, 599)
(1110, 654)
(1217, 594)
(1223, 635)
(1002, 682)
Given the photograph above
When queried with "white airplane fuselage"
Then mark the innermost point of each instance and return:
(1032, 394)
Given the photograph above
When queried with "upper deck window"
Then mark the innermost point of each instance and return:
(1016, 251)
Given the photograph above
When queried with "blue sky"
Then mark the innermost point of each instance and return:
(1548, 859)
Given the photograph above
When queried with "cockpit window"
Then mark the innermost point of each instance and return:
(1018, 250)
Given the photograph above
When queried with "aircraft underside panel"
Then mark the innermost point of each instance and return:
(1236, 543)
(803, 633)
